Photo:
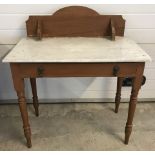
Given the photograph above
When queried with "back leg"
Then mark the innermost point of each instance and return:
(118, 93)
(35, 97)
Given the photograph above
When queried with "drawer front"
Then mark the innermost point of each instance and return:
(79, 69)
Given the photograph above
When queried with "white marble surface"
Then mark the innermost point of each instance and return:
(77, 49)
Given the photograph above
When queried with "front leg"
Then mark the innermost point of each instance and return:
(19, 87)
(24, 114)
(132, 106)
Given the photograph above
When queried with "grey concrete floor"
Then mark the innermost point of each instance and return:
(81, 126)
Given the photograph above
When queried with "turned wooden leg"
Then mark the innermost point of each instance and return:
(24, 114)
(132, 106)
(118, 93)
(19, 87)
(35, 97)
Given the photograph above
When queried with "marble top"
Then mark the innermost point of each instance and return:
(76, 49)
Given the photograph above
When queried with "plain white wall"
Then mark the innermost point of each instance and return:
(140, 26)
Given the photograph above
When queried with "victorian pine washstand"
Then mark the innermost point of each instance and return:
(76, 42)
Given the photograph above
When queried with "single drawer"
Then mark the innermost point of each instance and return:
(79, 69)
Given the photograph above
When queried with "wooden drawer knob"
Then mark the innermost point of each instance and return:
(115, 70)
(40, 71)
